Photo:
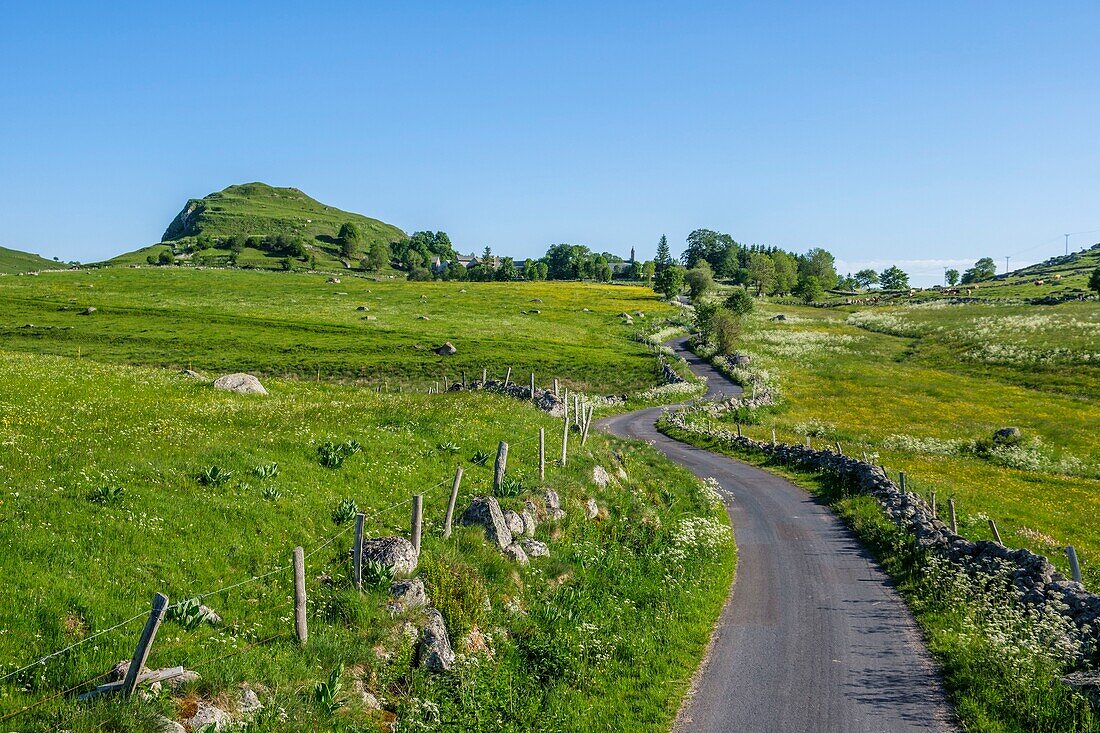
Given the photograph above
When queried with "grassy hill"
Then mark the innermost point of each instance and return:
(12, 261)
(258, 210)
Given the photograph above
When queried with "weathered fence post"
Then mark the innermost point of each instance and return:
(587, 424)
(901, 478)
(417, 521)
(542, 454)
(484, 377)
(996, 534)
(556, 393)
(809, 443)
(773, 437)
(738, 429)
(451, 503)
(934, 513)
(499, 467)
(532, 386)
(507, 377)
(300, 595)
(463, 379)
(1074, 565)
(839, 452)
(577, 410)
(951, 515)
(145, 643)
(357, 552)
(565, 434)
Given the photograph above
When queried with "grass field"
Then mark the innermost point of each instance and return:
(923, 388)
(299, 325)
(13, 261)
(586, 640)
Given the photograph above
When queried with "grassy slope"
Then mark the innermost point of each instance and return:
(258, 209)
(297, 324)
(862, 387)
(12, 261)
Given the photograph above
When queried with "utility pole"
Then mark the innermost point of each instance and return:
(1067, 244)
(1006, 264)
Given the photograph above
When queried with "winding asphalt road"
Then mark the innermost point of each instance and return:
(813, 638)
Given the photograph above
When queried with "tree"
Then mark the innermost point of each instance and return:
(286, 263)
(166, 257)
(983, 269)
(719, 250)
(151, 259)
(819, 264)
(377, 257)
(809, 288)
(601, 269)
(236, 243)
(530, 270)
(699, 279)
(762, 272)
(664, 256)
(649, 269)
(543, 269)
(349, 238)
(507, 270)
(786, 272)
(669, 281)
(705, 312)
(894, 278)
(420, 274)
(1094, 281)
(866, 278)
(739, 302)
(952, 277)
(727, 328)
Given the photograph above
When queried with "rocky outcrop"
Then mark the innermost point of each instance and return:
(396, 553)
(434, 651)
(447, 349)
(485, 511)
(407, 595)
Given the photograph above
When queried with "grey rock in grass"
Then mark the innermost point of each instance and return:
(333, 281)
(1007, 435)
(167, 725)
(514, 522)
(191, 374)
(485, 511)
(248, 703)
(407, 595)
(447, 349)
(534, 548)
(89, 310)
(206, 714)
(600, 477)
(434, 653)
(240, 383)
(591, 509)
(553, 506)
(370, 701)
(396, 553)
(779, 317)
(516, 553)
(424, 318)
(362, 308)
(529, 515)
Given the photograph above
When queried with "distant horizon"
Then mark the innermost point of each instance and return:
(923, 136)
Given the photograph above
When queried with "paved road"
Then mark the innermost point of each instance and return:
(813, 639)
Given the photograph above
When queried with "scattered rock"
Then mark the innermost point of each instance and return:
(447, 349)
(248, 702)
(371, 318)
(240, 383)
(434, 652)
(463, 290)
(534, 311)
(333, 281)
(553, 505)
(591, 509)
(424, 318)
(529, 515)
(516, 553)
(534, 548)
(485, 510)
(370, 702)
(585, 310)
(779, 317)
(407, 595)
(179, 681)
(362, 308)
(191, 373)
(514, 522)
(740, 359)
(89, 310)
(167, 725)
(206, 714)
(600, 477)
(1007, 435)
(396, 553)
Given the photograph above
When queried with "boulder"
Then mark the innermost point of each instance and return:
(534, 548)
(514, 522)
(516, 553)
(434, 652)
(191, 374)
(424, 318)
(779, 317)
(333, 280)
(600, 477)
(485, 510)
(553, 506)
(591, 509)
(207, 713)
(407, 595)
(167, 725)
(396, 553)
(248, 703)
(362, 308)
(446, 349)
(240, 383)
(89, 310)
(529, 515)
(1007, 435)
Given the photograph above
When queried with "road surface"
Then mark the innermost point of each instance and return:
(814, 638)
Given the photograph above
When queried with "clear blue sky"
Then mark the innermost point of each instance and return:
(919, 133)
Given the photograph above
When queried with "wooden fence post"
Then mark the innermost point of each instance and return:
(532, 386)
(1074, 565)
(773, 437)
(463, 379)
(576, 410)
(556, 393)
(357, 552)
(507, 377)
(542, 454)
(499, 467)
(145, 643)
(451, 503)
(996, 534)
(934, 513)
(417, 521)
(587, 424)
(484, 377)
(738, 429)
(839, 452)
(901, 478)
(951, 515)
(300, 595)
(565, 434)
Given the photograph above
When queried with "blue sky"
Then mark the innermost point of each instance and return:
(919, 133)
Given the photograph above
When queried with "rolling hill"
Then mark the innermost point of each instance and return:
(12, 261)
(200, 232)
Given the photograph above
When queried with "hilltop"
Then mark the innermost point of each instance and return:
(12, 261)
(251, 213)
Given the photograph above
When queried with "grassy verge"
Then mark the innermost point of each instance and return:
(104, 502)
(1002, 668)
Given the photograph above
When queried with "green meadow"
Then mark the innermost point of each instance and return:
(122, 480)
